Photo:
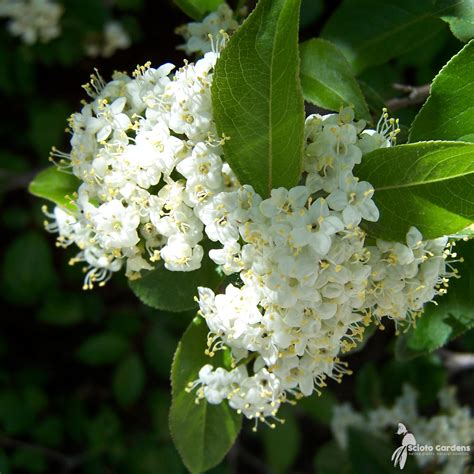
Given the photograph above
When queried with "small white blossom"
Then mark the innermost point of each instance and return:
(32, 20)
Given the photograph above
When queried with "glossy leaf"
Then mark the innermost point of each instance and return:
(257, 98)
(429, 185)
(175, 291)
(55, 186)
(448, 112)
(202, 433)
(450, 317)
(197, 9)
(371, 32)
(327, 79)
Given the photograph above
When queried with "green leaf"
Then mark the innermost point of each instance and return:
(450, 317)
(103, 348)
(27, 270)
(425, 374)
(129, 380)
(175, 291)
(461, 20)
(54, 185)
(15, 417)
(448, 112)
(202, 433)
(103, 430)
(197, 9)
(373, 98)
(282, 443)
(257, 98)
(371, 32)
(429, 185)
(327, 79)
(61, 309)
(49, 431)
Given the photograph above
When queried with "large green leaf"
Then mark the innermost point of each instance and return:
(327, 79)
(175, 291)
(202, 433)
(450, 317)
(448, 112)
(55, 186)
(370, 32)
(257, 98)
(429, 185)
(196, 9)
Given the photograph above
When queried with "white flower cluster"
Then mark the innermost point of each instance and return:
(308, 283)
(200, 36)
(114, 37)
(405, 277)
(454, 425)
(32, 20)
(147, 154)
(154, 181)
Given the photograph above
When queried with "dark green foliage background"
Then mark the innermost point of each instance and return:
(84, 376)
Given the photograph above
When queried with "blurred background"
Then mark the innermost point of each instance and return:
(84, 376)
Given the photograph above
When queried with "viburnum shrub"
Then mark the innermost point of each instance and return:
(209, 186)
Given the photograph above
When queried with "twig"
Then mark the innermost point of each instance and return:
(69, 463)
(416, 95)
(456, 361)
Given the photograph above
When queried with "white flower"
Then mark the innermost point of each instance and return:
(200, 36)
(454, 425)
(116, 225)
(179, 256)
(317, 228)
(354, 199)
(147, 154)
(32, 20)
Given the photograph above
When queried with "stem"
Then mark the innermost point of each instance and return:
(416, 95)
